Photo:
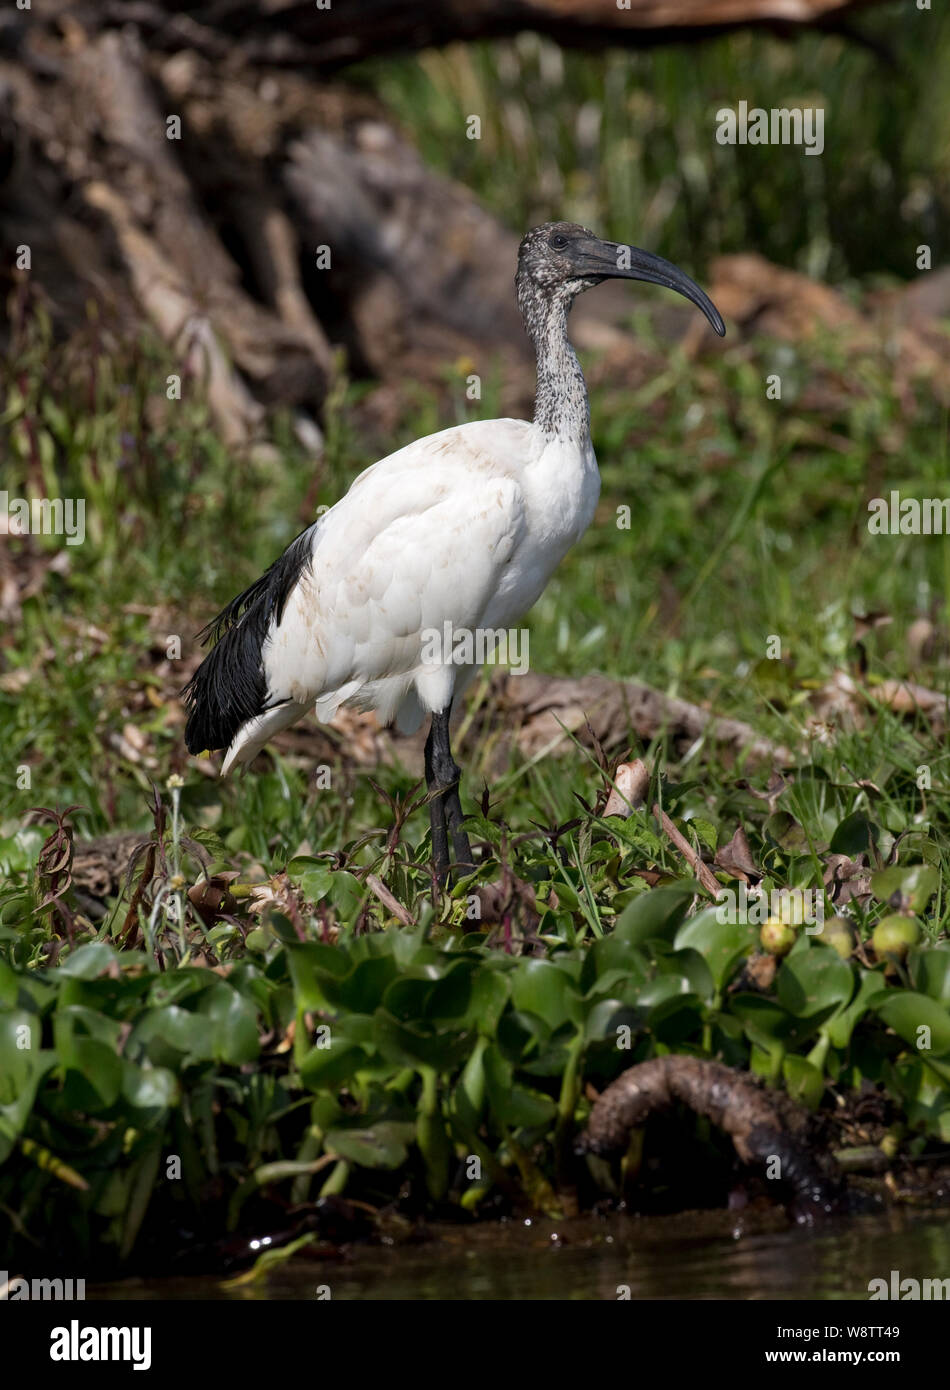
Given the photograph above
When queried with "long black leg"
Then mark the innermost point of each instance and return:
(460, 842)
(440, 839)
(445, 808)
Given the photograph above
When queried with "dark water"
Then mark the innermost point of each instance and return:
(691, 1256)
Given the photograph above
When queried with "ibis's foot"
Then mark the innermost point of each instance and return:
(445, 808)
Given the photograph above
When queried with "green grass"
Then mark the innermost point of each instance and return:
(744, 526)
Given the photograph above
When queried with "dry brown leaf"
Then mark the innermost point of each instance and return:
(629, 791)
(736, 858)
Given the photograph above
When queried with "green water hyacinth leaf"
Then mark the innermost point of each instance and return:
(9, 986)
(302, 863)
(416, 1045)
(313, 965)
(607, 1018)
(814, 979)
(661, 989)
(613, 982)
(93, 1074)
(384, 1144)
(765, 1022)
(674, 1019)
(314, 880)
(654, 914)
(689, 966)
(282, 927)
(326, 1112)
(451, 996)
(407, 996)
(767, 1062)
(843, 1024)
(325, 1068)
(930, 972)
(915, 882)
(88, 961)
(803, 1081)
(491, 991)
(548, 990)
(149, 1088)
(522, 1036)
(918, 1020)
(510, 1102)
(722, 945)
(428, 993)
(252, 984)
(20, 1037)
(410, 949)
(176, 986)
(14, 1116)
(612, 957)
(469, 1094)
(235, 1036)
(175, 1029)
(363, 989)
(926, 1097)
(526, 1108)
(550, 1057)
(117, 997)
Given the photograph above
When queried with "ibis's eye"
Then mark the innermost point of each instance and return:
(558, 242)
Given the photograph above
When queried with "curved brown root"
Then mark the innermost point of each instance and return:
(761, 1124)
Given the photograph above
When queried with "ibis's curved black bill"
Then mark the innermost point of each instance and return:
(611, 260)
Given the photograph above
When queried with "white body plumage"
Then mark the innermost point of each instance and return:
(465, 527)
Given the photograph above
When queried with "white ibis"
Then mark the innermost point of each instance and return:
(463, 528)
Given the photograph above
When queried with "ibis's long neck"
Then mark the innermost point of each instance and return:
(560, 407)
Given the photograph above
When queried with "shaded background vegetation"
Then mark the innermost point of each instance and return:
(624, 141)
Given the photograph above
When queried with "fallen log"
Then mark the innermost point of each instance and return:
(216, 224)
(760, 1124)
(331, 37)
(554, 711)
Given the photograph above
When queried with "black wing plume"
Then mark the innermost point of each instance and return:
(229, 687)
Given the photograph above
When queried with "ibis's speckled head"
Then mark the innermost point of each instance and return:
(559, 260)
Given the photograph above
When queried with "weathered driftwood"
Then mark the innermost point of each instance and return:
(140, 235)
(763, 1126)
(332, 36)
(552, 709)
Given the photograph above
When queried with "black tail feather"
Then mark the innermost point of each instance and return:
(230, 687)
